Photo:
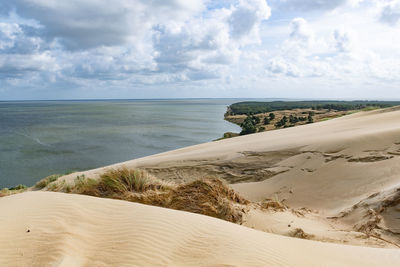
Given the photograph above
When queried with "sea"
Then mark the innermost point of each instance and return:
(40, 138)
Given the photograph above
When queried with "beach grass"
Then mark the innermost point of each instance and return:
(208, 196)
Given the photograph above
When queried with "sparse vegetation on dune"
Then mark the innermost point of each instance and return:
(13, 190)
(46, 181)
(208, 196)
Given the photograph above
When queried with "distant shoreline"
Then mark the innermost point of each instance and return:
(257, 116)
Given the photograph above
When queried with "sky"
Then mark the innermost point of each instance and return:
(95, 49)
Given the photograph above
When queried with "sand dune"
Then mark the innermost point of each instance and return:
(336, 181)
(326, 167)
(75, 230)
(365, 137)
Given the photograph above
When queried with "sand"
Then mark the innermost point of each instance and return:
(76, 230)
(337, 180)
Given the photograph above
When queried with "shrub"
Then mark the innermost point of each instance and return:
(45, 181)
(310, 119)
(19, 187)
(271, 116)
(248, 126)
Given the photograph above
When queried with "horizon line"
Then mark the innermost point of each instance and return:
(200, 98)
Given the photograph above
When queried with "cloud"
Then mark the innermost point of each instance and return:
(247, 16)
(93, 23)
(342, 40)
(301, 31)
(281, 66)
(198, 46)
(203, 46)
(18, 39)
(307, 53)
(390, 13)
(307, 5)
(17, 65)
(117, 40)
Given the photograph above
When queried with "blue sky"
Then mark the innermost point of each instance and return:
(51, 49)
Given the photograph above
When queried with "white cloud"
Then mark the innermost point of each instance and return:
(342, 40)
(17, 65)
(109, 40)
(391, 13)
(246, 18)
(305, 5)
(300, 31)
(232, 46)
(92, 23)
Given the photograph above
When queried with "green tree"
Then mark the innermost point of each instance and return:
(293, 119)
(271, 116)
(278, 124)
(255, 119)
(266, 121)
(248, 126)
(310, 118)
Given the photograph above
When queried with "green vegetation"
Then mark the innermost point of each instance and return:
(271, 116)
(302, 112)
(265, 107)
(13, 190)
(293, 119)
(19, 187)
(249, 125)
(310, 118)
(128, 180)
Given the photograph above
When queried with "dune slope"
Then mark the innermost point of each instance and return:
(326, 171)
(56, 229)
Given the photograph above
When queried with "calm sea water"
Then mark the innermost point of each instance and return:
(46, 137)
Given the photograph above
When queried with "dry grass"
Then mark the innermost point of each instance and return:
(209, 196)
(46, 181)
(299, 233)
(273, 204)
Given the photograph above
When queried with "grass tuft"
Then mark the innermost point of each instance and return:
(128, 180)
(46, 181)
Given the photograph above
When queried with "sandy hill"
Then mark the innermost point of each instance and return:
(76, 230)
(336, 181)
